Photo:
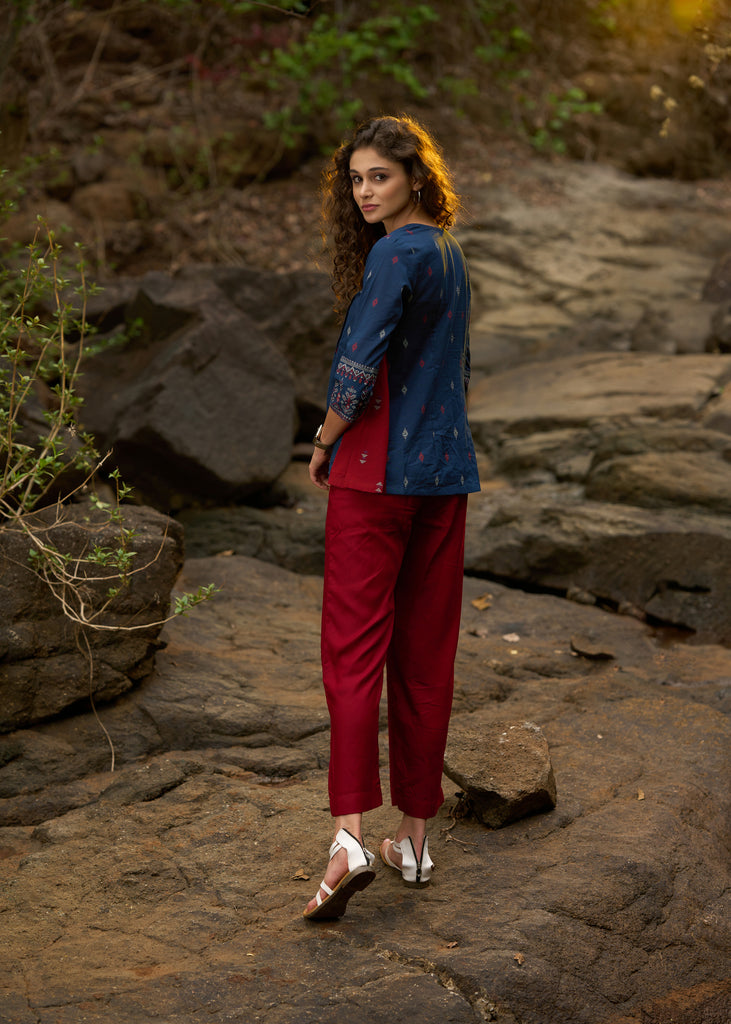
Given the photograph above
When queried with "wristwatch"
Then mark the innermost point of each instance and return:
(321, 444)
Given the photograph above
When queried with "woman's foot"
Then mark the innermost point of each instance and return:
(349, 870)
(412, 860)
(337, 868)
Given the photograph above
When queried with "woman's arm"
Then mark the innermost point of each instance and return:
(332, 430)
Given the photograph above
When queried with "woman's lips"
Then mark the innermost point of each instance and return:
(367, 207)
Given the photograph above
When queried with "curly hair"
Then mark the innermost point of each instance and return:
(400, 139)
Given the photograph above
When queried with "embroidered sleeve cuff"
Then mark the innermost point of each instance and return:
(352, 388)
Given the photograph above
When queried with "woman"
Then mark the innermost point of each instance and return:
(396, 453)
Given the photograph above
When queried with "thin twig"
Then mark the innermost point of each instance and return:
(96, 55)
(90, 660)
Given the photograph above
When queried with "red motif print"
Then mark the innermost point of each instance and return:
(449, 315)
(421, 363)
(374, 303)
(441, 408)
(446, 456)
(395, 259)
(421, 456)
(429, 271)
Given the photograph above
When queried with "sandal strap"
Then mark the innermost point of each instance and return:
(325, 888)
(355, 850)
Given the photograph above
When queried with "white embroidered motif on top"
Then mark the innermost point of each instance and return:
(404, 433)
(363, 458)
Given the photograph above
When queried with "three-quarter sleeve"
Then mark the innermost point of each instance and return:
(372, 318)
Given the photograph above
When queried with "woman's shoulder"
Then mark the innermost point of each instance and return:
(412, 240)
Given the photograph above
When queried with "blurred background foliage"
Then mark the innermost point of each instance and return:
(116, 110)
(303, 71)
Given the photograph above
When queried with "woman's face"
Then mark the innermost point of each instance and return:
(382, 189)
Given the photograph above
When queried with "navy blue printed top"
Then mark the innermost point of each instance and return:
(414, 310)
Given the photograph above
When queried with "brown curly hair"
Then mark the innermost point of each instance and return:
(347, 234)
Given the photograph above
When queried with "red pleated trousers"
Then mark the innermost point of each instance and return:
(394, 567)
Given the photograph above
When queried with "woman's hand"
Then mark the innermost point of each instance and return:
(320, 469)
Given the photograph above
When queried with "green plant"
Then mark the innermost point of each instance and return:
(549, 124)
(375, 48)
(46, 459)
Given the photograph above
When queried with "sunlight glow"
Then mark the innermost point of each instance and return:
(687, 13)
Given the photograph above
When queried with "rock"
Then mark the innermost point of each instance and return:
(294, 310)
(664, 480)
(671, 564)
(717, 415)
(718, 285)
(198, 406)
(719, 338)
(503, 767)
(590, 646)
(105, 201)
(45, 670)
(574, 391)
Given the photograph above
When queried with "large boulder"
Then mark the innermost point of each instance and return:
(580, 390)
(51, 662)
(614, 478)
(198, 404)
(670, 566)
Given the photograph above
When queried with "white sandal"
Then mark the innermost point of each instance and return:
(415, 871)
(360, 874)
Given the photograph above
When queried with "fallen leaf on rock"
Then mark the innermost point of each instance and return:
(300, 876)
(452, 945)
(519, 958)
(225, 554)
(640, 794)
(482, 602)
(511, 638)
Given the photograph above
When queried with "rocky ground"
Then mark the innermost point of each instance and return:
(172, 887)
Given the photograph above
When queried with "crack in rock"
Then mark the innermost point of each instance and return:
(483, 1008)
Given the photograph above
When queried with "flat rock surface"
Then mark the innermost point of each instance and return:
(172, 888)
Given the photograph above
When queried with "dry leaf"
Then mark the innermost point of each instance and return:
(511, 638)
(300, 876)
(640, 794)
(482, 602)
(452, 945)
(519, 958)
